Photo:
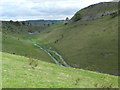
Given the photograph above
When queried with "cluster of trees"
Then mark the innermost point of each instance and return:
(19, 23)
(15, 23)
(66, 21)
(77, 16)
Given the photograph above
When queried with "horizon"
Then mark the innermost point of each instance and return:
(47, 10)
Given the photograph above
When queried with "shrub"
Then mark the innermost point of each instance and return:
(11, 21)
(23, 23)
(65, 23)
(77, 81)
(33, 63)
(67, 19)
(17, 23)
(113, 15)
(77, 16)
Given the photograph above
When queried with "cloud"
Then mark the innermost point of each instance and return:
(115, 0)
(42, 9)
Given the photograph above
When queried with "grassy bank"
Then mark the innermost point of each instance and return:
(19, 73)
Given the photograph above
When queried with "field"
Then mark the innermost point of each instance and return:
(47, 75)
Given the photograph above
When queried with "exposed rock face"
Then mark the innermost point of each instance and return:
(95, 11)
(98, 15)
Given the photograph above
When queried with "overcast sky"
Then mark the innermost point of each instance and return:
(42, 9)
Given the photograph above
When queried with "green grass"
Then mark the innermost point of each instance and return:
(16, 40)
(95, 9)
(23, 47)
(85, 44)
(0, 71)
(17, 73)
(90, 45)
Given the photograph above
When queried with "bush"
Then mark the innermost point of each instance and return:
(77, 16)
(11, 21)
(67, 19)
(33, 63)
(23, 23)
(17, 23)
(65, 23)
(113, 15)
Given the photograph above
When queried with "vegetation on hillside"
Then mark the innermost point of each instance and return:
(15, 40)
(22, 72)
(86, 45)
(23, 27)
(94, 11)
(90, 45)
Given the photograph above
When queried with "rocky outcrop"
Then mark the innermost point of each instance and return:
(98, 15)
(96, 11)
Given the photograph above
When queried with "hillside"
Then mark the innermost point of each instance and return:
(15, 40)
(95, 11)
(89, 48)
(16, 27)
(19, 73)
(86, 44)
(44, 21)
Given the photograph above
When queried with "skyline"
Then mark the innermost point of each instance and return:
(42, 9)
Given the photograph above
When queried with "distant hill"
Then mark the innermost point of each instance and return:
(22, 26)
(45, 21)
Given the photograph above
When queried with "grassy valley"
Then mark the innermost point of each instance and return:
(88, 42)
(91, 45)
(17, 42)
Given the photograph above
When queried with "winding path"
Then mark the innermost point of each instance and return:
(53, 58)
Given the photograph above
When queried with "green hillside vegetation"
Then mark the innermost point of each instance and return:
(15, 41)
(90, 45)
(0, 59)
(19, 73)
(23, 27)
(95, 10)
(87, 44)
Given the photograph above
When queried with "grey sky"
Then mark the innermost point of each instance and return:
(42, 9)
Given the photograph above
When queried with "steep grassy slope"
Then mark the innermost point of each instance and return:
(22, 47)
(19, 73)
(96, 10)
(22, 27)
(89, 44)
(15, 40)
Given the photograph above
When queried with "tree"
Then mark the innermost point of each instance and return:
(17, 23)
(23, 23)
(67, 19)
(77, 16)
(11, 21)
(65, 23)
(48, 25)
